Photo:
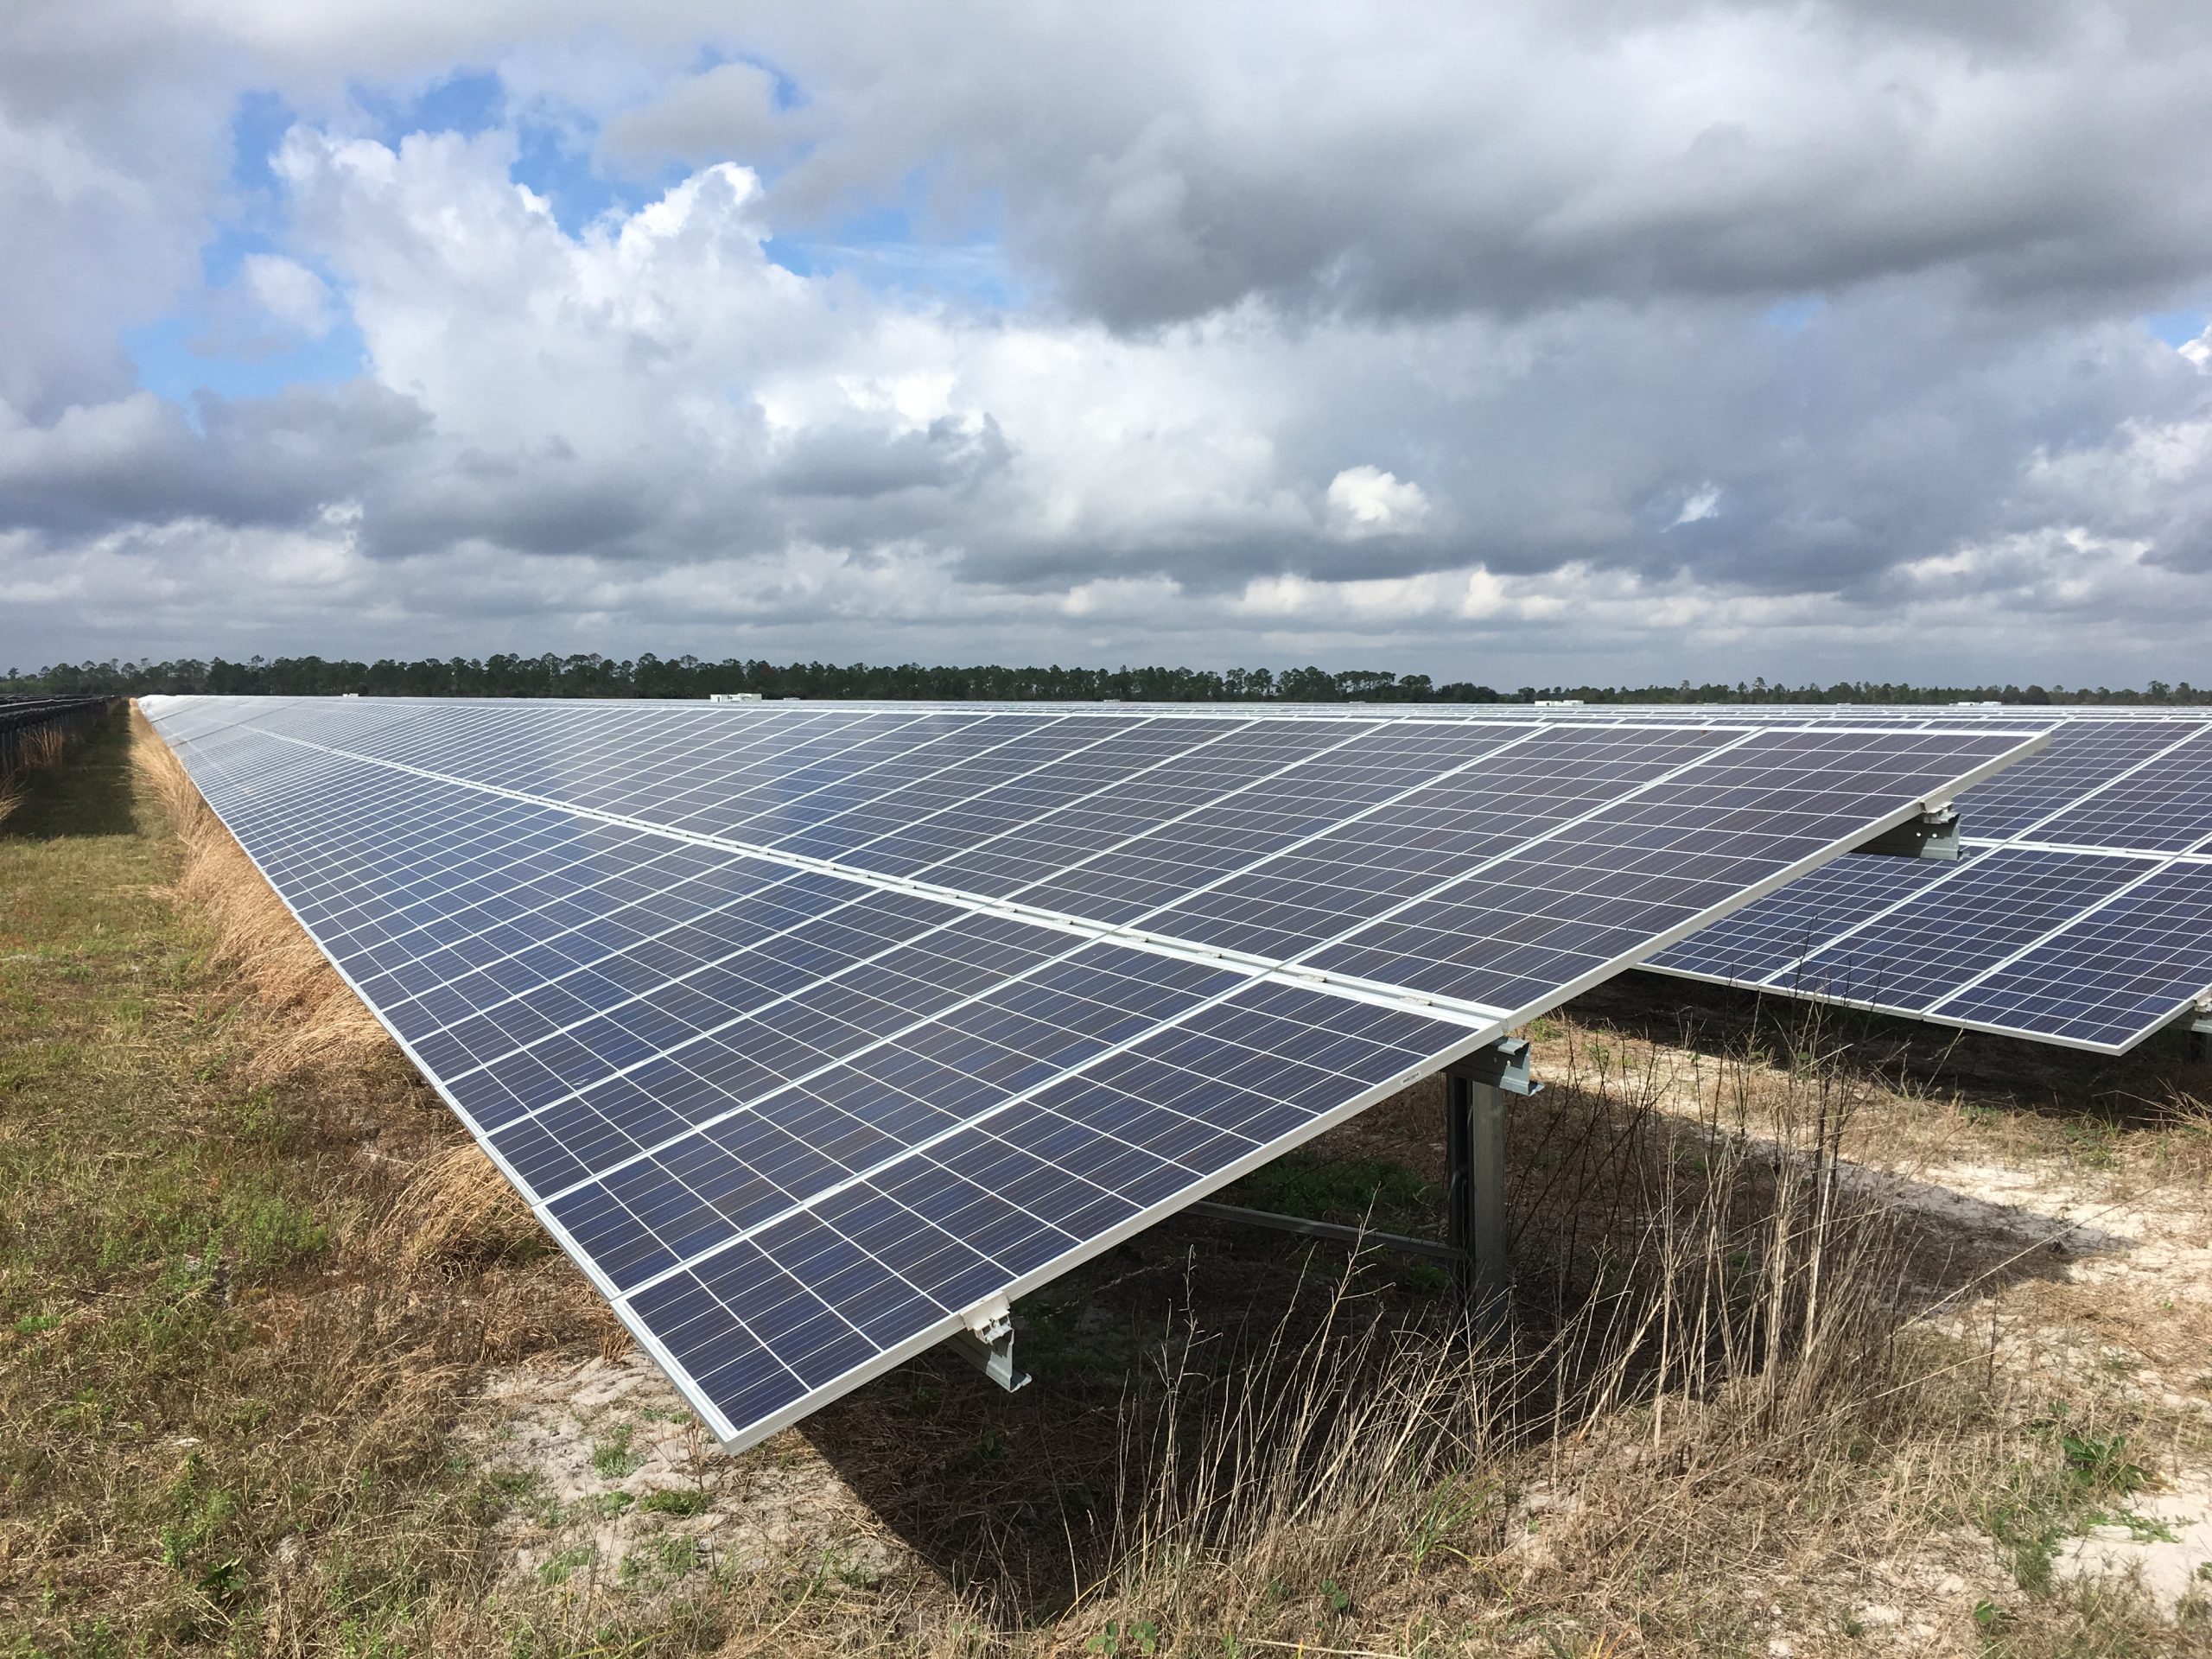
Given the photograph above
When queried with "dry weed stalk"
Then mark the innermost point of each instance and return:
(40, 747)
(1717, 1285)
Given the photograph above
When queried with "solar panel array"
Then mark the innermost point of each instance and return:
(812, 1031)
(2080, 912)
(2077, 917)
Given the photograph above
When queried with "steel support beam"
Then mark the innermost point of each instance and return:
(2200, 1035)
(1474, 1169)
(1404, 1243)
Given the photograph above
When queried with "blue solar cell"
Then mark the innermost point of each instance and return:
(1904, 941)
(2083, 755)
(1769, 938)
(1986, 909)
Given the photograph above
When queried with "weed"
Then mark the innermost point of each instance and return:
(670, 1556)
(680, 1501)
(558, 1568)
(612, 1456)
(1122, 1637)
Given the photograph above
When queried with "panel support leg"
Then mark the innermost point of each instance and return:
(1474, 1171)
(2200, 1035)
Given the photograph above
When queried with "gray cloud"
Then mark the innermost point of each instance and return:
(1863, 281)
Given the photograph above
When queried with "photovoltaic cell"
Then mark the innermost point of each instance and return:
(1999, 903)
(810, 1031)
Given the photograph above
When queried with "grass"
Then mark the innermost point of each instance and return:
(221, 1407)
(252, 1280)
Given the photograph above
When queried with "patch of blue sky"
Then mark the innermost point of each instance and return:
(257, 127)
(548, 161)
(218, 343)
(174, 361)
(2177, 327)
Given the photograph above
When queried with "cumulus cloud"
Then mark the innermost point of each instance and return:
(1366, 501)
(1551, 271)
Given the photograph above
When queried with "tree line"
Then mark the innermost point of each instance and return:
(590, 675)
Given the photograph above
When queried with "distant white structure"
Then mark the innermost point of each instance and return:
(1559, 703)
(733, 696)
(1992, 704)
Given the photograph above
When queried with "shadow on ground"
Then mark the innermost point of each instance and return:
(2002, 1073)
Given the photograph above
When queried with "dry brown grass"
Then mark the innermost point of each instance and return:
(455, 1209)
(36, 751)
(257, 938)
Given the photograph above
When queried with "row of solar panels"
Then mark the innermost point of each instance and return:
(816, 1033)
(23, 720)
(2080, 913)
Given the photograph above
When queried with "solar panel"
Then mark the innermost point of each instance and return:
(2071, 917)
(811, 1030)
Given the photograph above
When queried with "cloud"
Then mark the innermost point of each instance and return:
(1366, 501)
(728, 112)
(290, 294)
(1698, 504)
(858, 340)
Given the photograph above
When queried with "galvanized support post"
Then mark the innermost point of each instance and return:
(1474, 1170)
(2200, 1034)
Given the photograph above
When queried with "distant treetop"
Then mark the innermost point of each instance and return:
(648, 675)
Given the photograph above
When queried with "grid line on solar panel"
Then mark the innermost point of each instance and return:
(1996, 906)
(2147, 959)
(1649, 864)
(2109, 902)
(2084, 759)
(1739, 734)
(1744, 738)
(974, 1192)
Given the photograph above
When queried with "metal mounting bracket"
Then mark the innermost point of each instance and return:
(988, 1344)
(1502, 1064)
(2199, 1031)
(1934, 834)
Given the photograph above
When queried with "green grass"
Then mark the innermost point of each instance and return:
(2059, 1493)
(192, 1367)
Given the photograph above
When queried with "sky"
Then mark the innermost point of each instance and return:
(1542, 341)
